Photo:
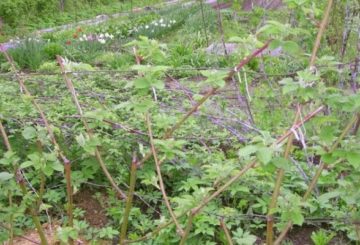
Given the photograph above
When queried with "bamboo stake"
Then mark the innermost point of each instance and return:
(317, 176)
(89, 132)
(129, 200)
(20, 180)
(161, 182)
(322, 28)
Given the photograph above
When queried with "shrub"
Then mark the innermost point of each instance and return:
(49, 67)
(29, 54)
(53, 49)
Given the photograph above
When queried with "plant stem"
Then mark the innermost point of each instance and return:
(226, 231)
(129, 200)
(161, 182)
(197, 209)
(187, 229)
(49, 130)
(71, 88)
(21, 182)
(203, 21)
(276, 192)
(317, 176)
(211, 92)
(11, 220)
(320, 32)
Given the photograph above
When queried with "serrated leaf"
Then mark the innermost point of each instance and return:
(282, 163)
(4, 176)
(80, 139)
(26, 164)
(353, 158)
(29, 133)
(291, 47)
(264, 154)
(44, 206)
(57, 166)
(297, 218)
(247, 151)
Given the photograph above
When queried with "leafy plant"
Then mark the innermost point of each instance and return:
(322, 237)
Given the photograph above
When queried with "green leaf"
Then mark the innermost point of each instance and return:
(353, 158)
(57, 166)
(247, 151)
(215, 78)
(4, 176)
(26, 164)
(297, 218)
(291, 47)
(282, 163)
(327, 134)
(29, 133)
(264, 154)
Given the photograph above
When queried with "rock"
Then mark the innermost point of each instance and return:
(248, 5)
(218, 48)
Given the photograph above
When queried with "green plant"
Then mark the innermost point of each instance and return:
(53, 49)
(28, 54)
(322, 237)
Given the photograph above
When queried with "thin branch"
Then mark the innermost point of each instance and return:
(129, 200)
(21, 182)
(197, 209)
(276, 192)
(51, 134)
(322, 28)
(226, 231)
(161, 182)
(317, 176)
(23, 237)
(72, 90)
(211, 92)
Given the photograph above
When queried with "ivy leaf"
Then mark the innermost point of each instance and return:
(4, 176)
(29, 133)
(264, 154)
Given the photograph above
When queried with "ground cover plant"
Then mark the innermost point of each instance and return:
(186, 124)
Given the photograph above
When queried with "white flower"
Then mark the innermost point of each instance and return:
(101, 35)
(111, 36)
(156, 24)
(81, 39)
(174, 21)
(163, 25)
(102, 41)
(146, 27)
(161, 20)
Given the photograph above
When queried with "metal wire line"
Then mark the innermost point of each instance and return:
(9, 74)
